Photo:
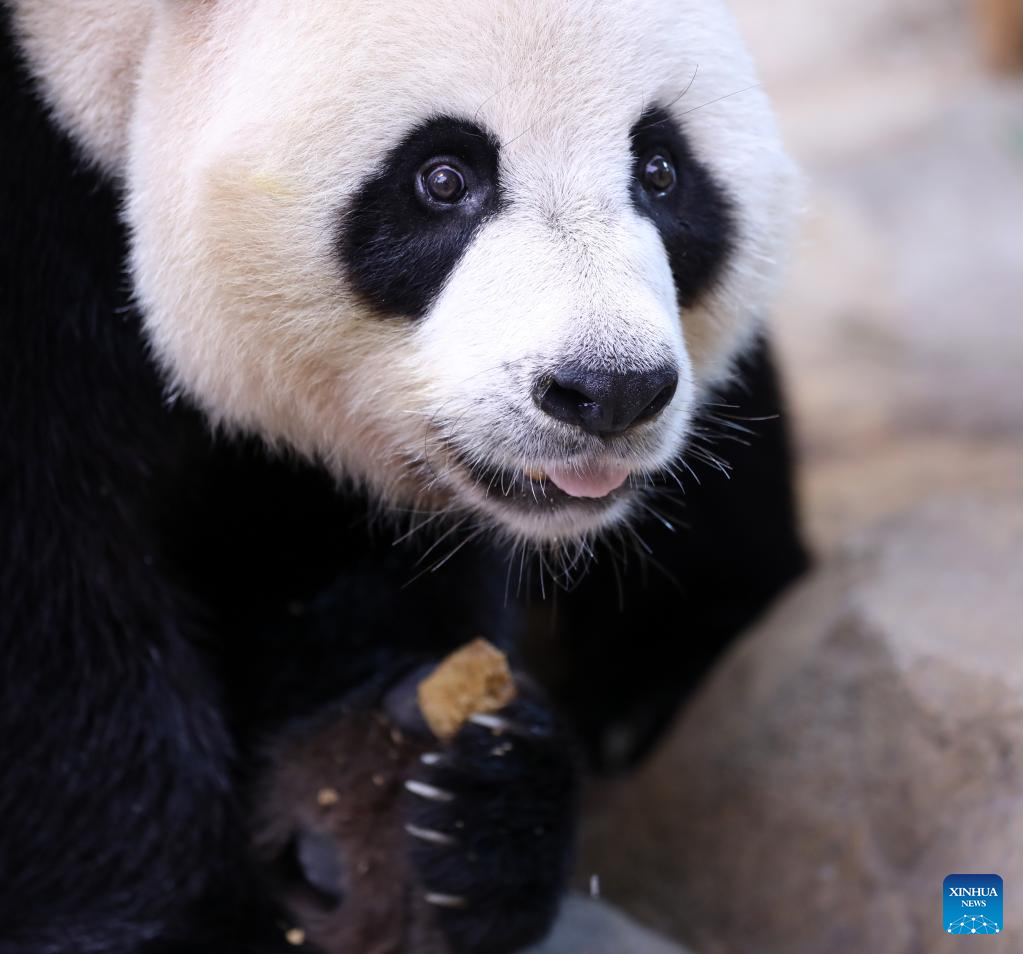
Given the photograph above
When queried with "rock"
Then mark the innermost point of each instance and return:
(861, 744)
(1002, 25)
(589, 927)
(899, 327)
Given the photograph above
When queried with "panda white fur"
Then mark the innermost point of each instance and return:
(482, 263)
(252, 127)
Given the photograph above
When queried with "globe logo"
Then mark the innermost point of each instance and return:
(973, 904)
(975, 924)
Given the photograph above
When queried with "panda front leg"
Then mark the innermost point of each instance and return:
(490, 822)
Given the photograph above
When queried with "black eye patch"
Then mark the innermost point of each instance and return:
(398, 243)
(695, 216)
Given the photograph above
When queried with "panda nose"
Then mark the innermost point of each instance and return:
(606, 402)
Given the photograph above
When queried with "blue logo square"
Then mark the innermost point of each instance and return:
(973, 904)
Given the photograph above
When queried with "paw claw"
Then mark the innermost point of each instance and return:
(446, 901)
(429, 792)
(431, 836)
(498, 725)
(495, 723)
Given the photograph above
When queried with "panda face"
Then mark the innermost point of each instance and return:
(475, 257)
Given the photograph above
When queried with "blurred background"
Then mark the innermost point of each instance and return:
(866, 739)
(902, 326)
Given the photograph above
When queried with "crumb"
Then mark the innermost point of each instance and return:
(327, 797)
(296, 937)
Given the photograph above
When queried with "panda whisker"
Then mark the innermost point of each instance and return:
(440, 540)
(708, 437)
(667, 494)
(721, 414)
(508, 572)
(644, 554)
(658, 516)
(417, 527)
(581, 559)
(730, 424)
(672, 471)
(673, 102)
(493, 96)
(522, 566)
(645, 548)
(721, 99)
(528, 129)
(692, 473)
(469, 539)
(493, 480)
(649, 560)
(396, 511)
(708, 457)
(617, 570)
(671, 508)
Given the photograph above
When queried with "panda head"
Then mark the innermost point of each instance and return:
(477, 257)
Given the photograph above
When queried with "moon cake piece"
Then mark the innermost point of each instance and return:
(475, 680)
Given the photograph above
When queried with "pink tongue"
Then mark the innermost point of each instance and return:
(594, 482)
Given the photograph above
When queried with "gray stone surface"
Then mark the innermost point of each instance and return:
(859, 746)
(900, 326)
(589, 927)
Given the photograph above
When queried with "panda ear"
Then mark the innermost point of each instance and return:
(85, 56)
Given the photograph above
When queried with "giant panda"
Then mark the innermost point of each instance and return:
(333, 335)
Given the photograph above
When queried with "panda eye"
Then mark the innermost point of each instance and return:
(441, 182)
(659, 175)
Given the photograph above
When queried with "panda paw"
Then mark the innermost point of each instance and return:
(491, 824)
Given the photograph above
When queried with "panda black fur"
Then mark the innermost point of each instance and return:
(357, 833)
(173, 594)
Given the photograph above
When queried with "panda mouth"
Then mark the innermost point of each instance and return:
(593, 485)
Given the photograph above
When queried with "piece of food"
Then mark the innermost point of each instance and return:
(476, 680)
